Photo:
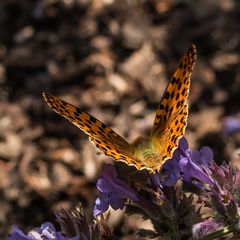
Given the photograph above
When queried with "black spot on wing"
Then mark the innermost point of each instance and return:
(93, 119)
(177, 96)
(174, 80)
(183, 92)
(161, 106)
(167, 95)
(179, 85)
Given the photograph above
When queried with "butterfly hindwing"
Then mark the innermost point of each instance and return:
(118, 153)
(174, 130)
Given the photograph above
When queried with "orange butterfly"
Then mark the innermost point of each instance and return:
(169, 125)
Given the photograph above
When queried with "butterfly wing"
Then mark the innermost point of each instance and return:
(102, 136)
(171, 116)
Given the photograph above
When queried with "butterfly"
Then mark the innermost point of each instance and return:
(169, 125)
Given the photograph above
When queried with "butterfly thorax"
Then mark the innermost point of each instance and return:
(144, 149)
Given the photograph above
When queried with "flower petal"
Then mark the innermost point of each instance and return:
(192, 170)
(206, 155)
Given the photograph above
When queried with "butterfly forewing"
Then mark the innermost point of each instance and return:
(176, 93)
(102, 136)
(171, 116)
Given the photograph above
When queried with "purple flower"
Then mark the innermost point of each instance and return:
(171, 167)
(231, 125)
(173, 171)
(45, 232)
(194, 163)
(113, 191)
(75, 223)
(188, 164)
(223, 194)
(202, 229)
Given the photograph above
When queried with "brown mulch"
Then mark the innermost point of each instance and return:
(112, 58)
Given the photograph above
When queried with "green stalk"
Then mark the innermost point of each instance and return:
(219, 233)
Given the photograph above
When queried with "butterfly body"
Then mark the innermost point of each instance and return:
(146, 151)
(142, 148)
(169, 125)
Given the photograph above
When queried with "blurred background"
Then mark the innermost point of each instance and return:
(113, 59)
